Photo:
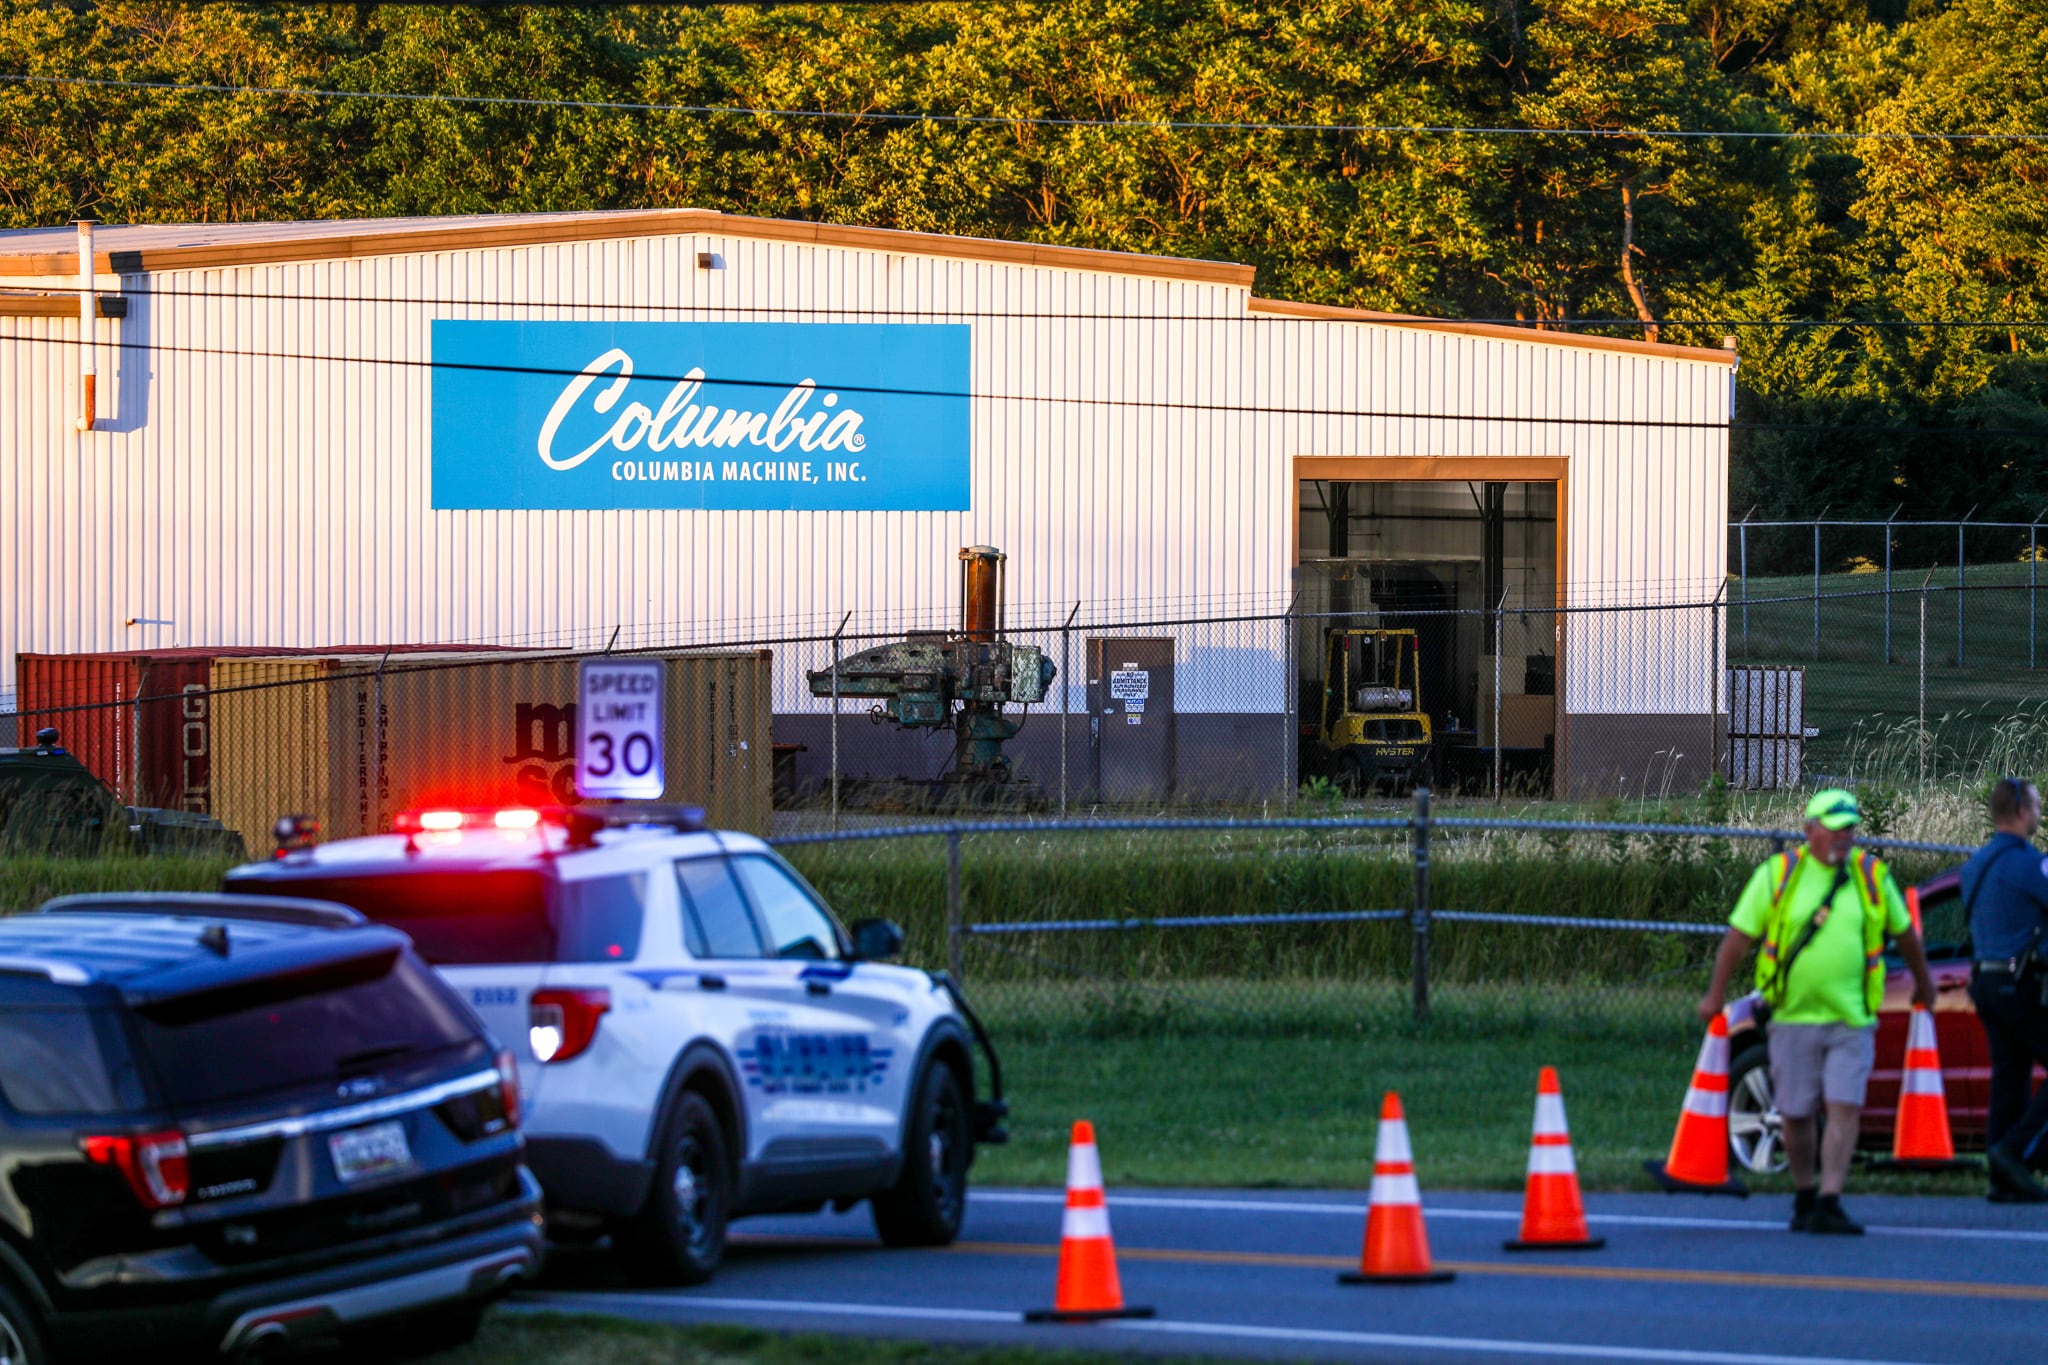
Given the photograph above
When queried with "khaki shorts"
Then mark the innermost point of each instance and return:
(1812, 1062)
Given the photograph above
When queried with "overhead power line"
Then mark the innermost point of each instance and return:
(881, 390)
(1065, 400)
(1019, 120)
(856, 312)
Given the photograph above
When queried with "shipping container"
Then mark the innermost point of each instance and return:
(269, 743)
(151, 753)
(352, 746)
(141, 722)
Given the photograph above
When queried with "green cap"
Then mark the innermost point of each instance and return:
(1834, 808)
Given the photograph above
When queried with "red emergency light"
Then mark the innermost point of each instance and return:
(581, 824)
(449, 819)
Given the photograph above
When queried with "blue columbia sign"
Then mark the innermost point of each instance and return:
(727, 415)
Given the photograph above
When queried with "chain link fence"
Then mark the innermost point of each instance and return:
(1263, 714)
(1305, 926)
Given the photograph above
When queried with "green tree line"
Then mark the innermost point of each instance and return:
(1631, 232)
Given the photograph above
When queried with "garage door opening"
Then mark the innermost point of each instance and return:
(1408, 591)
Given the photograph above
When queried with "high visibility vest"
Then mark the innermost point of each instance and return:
(1866, 874)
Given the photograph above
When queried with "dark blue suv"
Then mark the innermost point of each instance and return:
(233, 1122)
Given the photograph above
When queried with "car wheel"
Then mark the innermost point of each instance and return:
(21, 1336)
(929, 1201)
(679, 1237)
(1755, 1133)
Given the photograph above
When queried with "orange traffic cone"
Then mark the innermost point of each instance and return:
(1396, 1244)
(1088, 1289)
(1698, 1163)
(1553, 1214)
(1921, 1140)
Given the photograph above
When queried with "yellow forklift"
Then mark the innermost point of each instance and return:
(1373, 729)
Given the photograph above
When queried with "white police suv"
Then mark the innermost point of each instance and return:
(703, 1040)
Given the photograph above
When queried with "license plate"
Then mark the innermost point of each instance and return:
(366, 1153)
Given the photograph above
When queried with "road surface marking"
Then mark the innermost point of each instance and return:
(1171, 1327)
(1855, 1284)
(1143, 1201)
(2027, 1293)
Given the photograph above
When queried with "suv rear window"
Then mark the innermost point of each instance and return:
(53, 1060)
(344, 1019)
(458, 918)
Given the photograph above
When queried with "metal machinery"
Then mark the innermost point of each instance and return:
(1373, 728)
(922, 678)
(51, 803)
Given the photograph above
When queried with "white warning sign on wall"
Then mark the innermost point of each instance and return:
(1130, 684)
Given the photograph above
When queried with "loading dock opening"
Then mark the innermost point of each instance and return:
(1471, 567)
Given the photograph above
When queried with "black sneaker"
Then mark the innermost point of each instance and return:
(1802, 1209)
(1829, 1220)
(2011, 1181)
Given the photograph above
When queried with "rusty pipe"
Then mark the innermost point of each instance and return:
(88, 307)
(981, 592)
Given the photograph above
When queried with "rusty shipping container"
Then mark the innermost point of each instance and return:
(143, 722)
(151, 753)
(328, 738)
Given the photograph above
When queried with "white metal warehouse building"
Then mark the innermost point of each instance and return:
(339, 432)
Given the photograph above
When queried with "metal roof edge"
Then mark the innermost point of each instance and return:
(523, 230)
(1325, 312)
(46, 303)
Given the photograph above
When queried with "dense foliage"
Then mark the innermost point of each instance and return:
(1687, 239)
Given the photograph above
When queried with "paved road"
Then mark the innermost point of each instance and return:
(1253, 1274)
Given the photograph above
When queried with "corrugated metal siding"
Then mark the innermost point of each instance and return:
(265, 500)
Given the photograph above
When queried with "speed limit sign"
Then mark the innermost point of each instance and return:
(618, 729)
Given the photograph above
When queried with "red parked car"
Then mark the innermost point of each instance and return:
(1965, 1062)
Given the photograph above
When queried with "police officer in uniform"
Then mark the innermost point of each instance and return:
(2005, 894)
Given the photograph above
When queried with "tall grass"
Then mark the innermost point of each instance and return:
(26, 881)
(1023, 880)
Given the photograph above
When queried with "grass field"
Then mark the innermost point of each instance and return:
(575, 1339)
(1986, 709)
(1195, 1108)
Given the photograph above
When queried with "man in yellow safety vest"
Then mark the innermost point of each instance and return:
(1822, 913)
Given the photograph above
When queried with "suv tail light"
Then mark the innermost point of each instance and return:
(508, 1086)
(154, 1164)
(561, 1023)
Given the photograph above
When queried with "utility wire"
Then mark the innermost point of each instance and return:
(1020, 120)
(936, 313)
(880, 390)
(1155, 404)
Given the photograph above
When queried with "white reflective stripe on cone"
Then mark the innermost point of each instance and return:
(1396, 1189)
(1548, 1160)
(1084, 1167)
(1921, 1034)
(1711, 1104)
(1921, 1083)
(1083, 1224)
(1713, 1056)
(1550, 1115)
(1392, 1144)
